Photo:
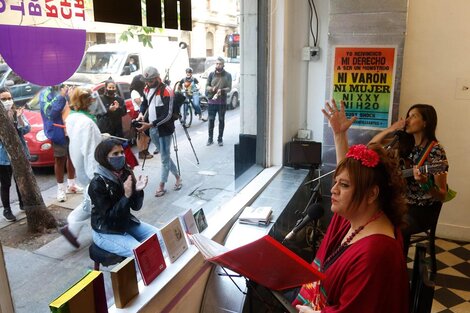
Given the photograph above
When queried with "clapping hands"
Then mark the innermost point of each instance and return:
(141, 183)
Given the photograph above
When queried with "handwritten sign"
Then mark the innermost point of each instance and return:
(363, 78)
(43, 41)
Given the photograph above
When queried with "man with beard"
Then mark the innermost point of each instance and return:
(219, 84)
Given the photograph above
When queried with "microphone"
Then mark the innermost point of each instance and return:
(315, 211)
(397, 135)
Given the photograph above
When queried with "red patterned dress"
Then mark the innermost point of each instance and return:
(370, 276)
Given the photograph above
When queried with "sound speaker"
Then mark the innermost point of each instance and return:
(303, 154)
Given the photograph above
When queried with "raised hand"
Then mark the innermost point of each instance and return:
(337, 118)
(141, 183)
(128, 187)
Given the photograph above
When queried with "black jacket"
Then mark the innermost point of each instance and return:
(111, 212)
(111, 122)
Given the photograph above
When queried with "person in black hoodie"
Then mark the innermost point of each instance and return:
(111, 121)
(115, 191)
(158, 102)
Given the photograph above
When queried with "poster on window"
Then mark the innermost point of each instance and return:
(363, 77)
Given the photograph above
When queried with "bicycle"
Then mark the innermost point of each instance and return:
(187, 108)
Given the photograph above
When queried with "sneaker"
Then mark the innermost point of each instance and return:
(209, 142)
(61, 196)
(220, 143)
(73, 189)
(8, 215)
(156, 151)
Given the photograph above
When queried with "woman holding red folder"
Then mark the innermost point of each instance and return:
(361, 253)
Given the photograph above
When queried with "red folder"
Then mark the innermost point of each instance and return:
(150, 259)
(264, 261)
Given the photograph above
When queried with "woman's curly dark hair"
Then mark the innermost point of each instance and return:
(386, 175)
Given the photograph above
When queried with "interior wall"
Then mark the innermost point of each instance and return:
(437, 72)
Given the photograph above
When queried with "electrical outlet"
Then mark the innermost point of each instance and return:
(310, 53)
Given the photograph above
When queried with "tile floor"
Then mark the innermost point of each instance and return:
(452, 293)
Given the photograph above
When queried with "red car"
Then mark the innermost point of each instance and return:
(40, 147)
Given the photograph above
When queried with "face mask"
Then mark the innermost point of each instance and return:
(7, 104)
(110, 92)
(117, 162)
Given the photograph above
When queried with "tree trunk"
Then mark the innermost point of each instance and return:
(37, 216)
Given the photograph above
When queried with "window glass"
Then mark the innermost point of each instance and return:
(212, 174)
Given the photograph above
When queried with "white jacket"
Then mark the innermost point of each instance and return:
(84, 136)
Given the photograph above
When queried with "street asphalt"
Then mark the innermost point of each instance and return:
(38, 277)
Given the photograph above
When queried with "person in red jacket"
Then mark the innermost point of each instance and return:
(361, 253)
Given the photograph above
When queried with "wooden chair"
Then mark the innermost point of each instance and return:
(422, 288)
(430, 235)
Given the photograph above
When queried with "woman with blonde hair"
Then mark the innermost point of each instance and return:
(84, 137)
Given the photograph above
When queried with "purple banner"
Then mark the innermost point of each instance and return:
(42, 55)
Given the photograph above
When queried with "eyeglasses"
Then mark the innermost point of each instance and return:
(6, 99)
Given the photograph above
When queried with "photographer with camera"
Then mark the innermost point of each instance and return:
(158, 101)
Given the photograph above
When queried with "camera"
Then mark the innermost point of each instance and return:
(136, 124)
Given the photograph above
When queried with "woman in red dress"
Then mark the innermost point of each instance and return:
(361, 254)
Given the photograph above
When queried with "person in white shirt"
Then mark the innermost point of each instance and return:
(84, 137)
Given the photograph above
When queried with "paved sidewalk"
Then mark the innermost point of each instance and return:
(38, 277)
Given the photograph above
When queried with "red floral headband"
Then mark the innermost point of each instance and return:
(368, 157)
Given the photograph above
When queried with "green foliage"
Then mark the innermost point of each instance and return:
(143, 33)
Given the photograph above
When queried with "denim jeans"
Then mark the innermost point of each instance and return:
(123, 244)
(153, 132)
(167, 163)
(196, 104)
(219, 109)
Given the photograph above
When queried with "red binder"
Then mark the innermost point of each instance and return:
(150, 259)
(264, 261)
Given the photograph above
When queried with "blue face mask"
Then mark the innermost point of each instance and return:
(117, 162)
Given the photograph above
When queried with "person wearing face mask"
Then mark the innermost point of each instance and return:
(115, 191)
(111, 121)
(219, 84)
(6, 172)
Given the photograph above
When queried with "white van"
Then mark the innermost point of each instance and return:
(125, 60)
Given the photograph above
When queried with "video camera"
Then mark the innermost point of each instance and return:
(136, 123)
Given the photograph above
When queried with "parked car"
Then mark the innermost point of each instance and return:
(233, 97)
(40, 146)
(21, 90)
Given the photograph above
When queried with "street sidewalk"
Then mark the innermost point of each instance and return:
(36, 278)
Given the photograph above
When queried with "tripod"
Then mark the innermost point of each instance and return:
(175, 146)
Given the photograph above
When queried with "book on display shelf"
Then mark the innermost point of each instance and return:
(264, 261)
(124, 282)
(256, 216)
(150, 259)
(174, 238)
(189, 222)
(86, 295)
(201, 221)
